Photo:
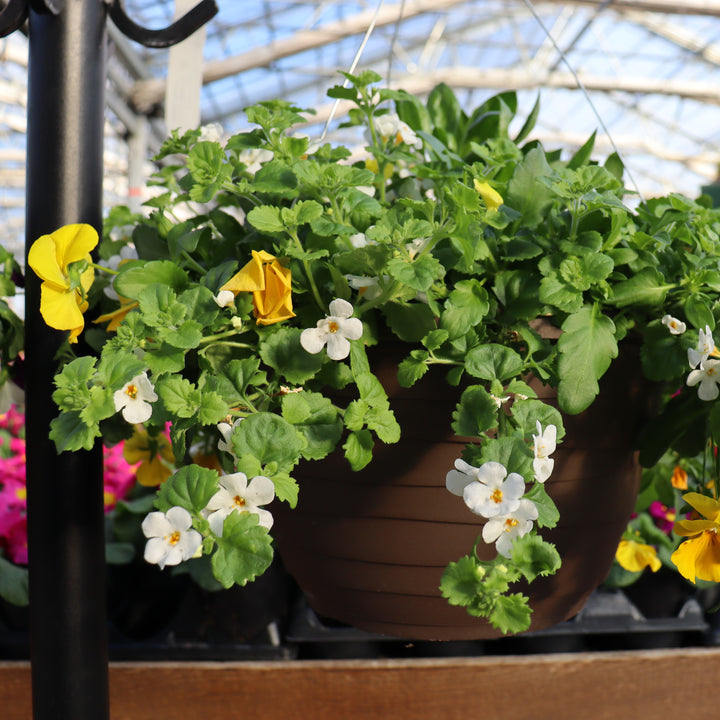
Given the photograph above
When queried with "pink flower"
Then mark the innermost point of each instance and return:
(663, 515)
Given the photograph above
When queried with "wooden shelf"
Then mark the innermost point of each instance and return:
(655, 684)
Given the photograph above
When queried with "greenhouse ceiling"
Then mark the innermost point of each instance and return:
(645, 74)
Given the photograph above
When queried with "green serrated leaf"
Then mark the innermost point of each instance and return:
(190, 487)
(244, 551)
(586, 348)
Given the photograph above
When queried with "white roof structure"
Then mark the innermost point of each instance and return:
(644, 73)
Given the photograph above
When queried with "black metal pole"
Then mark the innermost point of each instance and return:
(66, 101)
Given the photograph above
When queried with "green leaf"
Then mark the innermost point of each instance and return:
(461, 582)
(465, 307)
(266, 218)
(583, 154)
(190, 487)
(358, 449)
(179, 395)
(13, 583)
(476, 412)
(70, 433)
(118, 367)
(586, 349)
(409, 321)
(283, 352)
(286, 489)
(548, 514)
(511, 452)
(535, 557)
(270, 438)
(412, 368)
(418, 274)
(511, 613)
(383, 423)
(72, 382)
(317, 419)
(493, 362)
(213, 408)
(647, 287)
(131, 282)
(526, 413)
(244, 551)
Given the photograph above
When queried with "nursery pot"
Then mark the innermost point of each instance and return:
(369, 548)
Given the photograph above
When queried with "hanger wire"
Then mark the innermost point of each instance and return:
(584, 91)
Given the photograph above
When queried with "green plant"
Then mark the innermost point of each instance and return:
(267, 264)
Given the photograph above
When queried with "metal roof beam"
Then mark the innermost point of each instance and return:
(149, 92)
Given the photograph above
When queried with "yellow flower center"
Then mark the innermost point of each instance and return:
(131, 391)
(333, 327)
(238, 501)
(497, 495)
(711, 371)
(510, 523)
(174, 538)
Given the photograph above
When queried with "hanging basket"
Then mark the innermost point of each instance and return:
(369, 548)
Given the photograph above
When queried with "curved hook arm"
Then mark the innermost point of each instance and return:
(181, 29)
(12, 16)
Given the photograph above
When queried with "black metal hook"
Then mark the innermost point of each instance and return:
(181, 29)
(12, 16)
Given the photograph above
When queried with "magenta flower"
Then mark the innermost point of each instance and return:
(663, 515)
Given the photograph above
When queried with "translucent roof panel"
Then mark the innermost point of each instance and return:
(645, 74)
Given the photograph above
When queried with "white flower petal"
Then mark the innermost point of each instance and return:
(352, 328)
(341, 308)
(312, 340)
(338, 346)
(456, 481)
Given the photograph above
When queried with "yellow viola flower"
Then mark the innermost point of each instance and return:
(150, 452)
(270, 284)
(679, 478)
(117, 316)
(492, 197)
(635, 556)
(699, 555)
(62, 305)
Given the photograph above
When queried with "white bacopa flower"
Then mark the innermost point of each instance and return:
(495, 492)
(236, 494)
(705, 346)
(390, 126)
(225, 298)
(367, 287)
(360, 240)
(212, 132)
(417, 245)
(502, 530)
(335, 331)
(227, 430)
(543, 446)
(499, 401)
(464, 474)
(486, 490)
(170, 537)
(707, 377)
(134, 399)
(675, 326)
(253, 158)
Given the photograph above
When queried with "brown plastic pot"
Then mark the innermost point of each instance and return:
(369, 548)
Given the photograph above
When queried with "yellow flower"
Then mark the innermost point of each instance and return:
(679, 478)
(635, 556)
(150, 453)
(117, 316)
(62, 305)
(492, 197)
(270, 284)
(699, 556)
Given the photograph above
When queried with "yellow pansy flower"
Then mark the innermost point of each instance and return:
(635, 556)
(492, 197)
(699, 555)
(117, 316)
(149, 451)
(270, 284)
(62, 305)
